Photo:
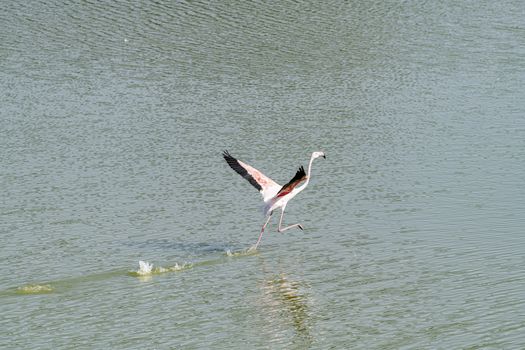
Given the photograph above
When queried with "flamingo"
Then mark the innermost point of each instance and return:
(274, 195)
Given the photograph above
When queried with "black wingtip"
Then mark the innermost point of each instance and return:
(239, 169)
(301, 171)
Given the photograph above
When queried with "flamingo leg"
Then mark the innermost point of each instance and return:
(262, 231)
(279, 229)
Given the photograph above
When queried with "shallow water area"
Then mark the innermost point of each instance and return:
(113, 121)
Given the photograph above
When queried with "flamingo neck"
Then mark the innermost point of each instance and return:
(303, 186)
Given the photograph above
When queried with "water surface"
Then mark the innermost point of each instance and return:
(113, 120)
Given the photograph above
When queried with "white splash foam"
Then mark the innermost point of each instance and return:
(145, 268)
(249, 251)
(173, 268)
(35, 289)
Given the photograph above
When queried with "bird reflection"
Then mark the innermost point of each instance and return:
(283, 298)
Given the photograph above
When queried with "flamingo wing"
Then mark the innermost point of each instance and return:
(299, 177)
(266, 186)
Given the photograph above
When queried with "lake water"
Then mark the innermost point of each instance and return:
(113, 119)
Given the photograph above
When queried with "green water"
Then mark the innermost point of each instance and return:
(112, 123)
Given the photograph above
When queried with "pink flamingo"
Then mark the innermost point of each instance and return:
(274, 195)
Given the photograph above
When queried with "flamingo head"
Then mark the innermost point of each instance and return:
(318, 154)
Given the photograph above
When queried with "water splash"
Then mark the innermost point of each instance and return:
(35, 289)
(147, 269)
(144, 268)
(246, 252)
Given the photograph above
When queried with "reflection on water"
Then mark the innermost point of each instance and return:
(285, 303)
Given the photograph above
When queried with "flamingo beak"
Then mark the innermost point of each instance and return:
(324, 156)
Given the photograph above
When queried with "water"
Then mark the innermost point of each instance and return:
(113, 120)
